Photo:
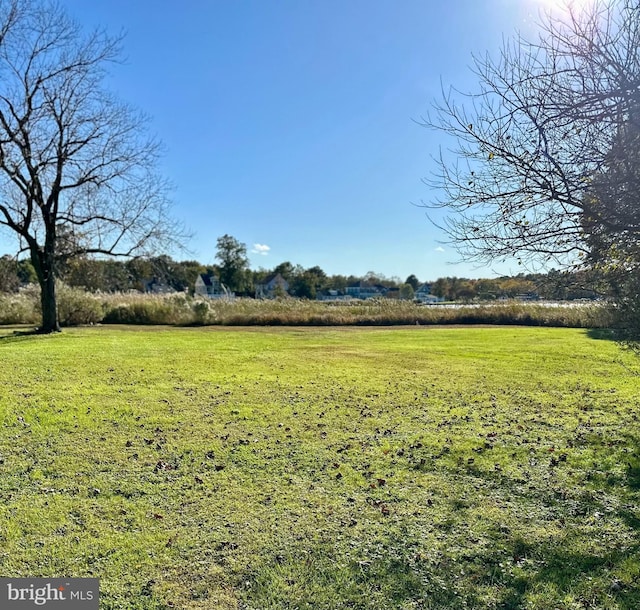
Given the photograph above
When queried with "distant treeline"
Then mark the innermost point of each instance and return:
(112, 276)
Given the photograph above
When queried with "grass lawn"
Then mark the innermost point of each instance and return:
(324, 468)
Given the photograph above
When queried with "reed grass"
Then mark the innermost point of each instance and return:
(78, 307)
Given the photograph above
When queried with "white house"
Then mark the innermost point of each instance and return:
(273, 285)
(209, 286)
(423, 295)
(363, 290)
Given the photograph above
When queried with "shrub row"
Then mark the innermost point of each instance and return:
(78, 307)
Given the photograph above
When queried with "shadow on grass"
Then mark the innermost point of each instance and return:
(318, 576)
(565, 566)
(619, 336)
(633, 476)
(513, 575)
(566, 572)
(601, 334)
(581, 549)
(19, 335)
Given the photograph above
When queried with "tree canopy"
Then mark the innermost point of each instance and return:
(234, 262)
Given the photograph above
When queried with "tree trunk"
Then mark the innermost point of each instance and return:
(43, 262)
(49, 302)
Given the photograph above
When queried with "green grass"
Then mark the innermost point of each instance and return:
(323, 468)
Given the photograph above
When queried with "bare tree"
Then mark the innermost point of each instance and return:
(77, 170)
(540, 143)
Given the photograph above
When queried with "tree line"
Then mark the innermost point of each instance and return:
(232, 268)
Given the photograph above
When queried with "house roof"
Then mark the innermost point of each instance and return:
(208, 279)
(271, 277)
(366, 286)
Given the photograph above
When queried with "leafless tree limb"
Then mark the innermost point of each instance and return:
(529, 146)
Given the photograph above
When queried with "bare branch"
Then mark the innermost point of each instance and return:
(528, 146)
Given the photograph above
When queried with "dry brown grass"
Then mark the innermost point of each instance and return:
(78, 307)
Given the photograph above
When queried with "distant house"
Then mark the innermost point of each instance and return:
(363, 290)
(423, 295)
(209, 286)
(156, 286)
(529, 296)
(272, 286)
(331, 295)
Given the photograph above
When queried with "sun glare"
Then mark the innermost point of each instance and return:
(564, 5)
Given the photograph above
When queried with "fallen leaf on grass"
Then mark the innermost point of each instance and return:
(163, 466)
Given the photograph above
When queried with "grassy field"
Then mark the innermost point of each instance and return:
(324, 468)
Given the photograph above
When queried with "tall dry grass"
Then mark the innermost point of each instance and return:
(79, 307)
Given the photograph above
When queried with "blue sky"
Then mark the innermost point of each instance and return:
(291, 124)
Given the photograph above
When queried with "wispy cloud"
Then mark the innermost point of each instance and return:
(439, 249)
(261, 249)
